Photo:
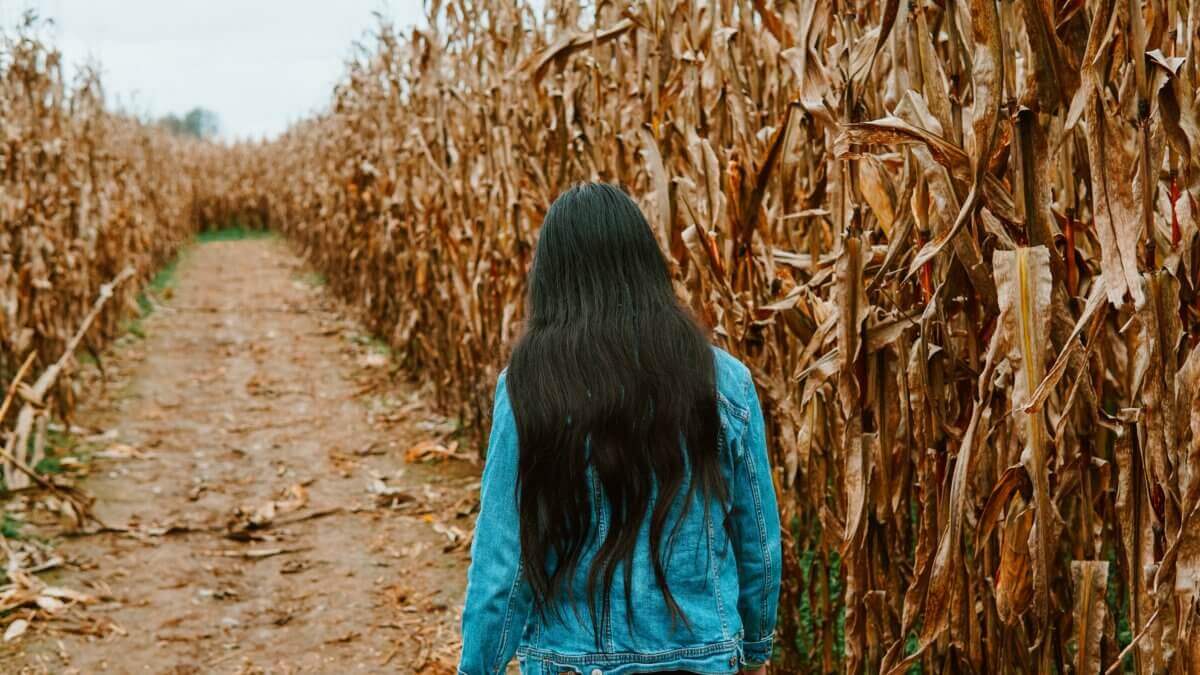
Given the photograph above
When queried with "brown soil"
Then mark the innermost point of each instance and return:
(248, 388)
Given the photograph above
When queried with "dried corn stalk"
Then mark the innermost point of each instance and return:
(84, 194)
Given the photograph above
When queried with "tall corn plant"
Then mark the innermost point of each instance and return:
(84, 193)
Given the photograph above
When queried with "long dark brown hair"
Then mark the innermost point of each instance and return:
(611, 373)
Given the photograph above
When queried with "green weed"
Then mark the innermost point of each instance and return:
(158, 286)
(49, 464)
(234, 232)
(11, 527)
(315, 279)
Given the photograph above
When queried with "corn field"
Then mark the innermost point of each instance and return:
(87, 197)
(954, 241)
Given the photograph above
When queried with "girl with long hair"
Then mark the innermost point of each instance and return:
(627, 518)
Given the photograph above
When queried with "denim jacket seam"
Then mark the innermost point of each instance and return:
(602, 519)
(747, 390)
(768, 565)
(618, 658)
(770, 637)
(608, 623)
(715, 576)
(766, 642)
(508, 606)
(739, 411)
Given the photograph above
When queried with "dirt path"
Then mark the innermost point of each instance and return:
(256, 452)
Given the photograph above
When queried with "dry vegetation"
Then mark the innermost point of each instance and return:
(92, 204)
(87, 197)
(953, 240)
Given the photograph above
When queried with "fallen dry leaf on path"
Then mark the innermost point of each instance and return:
(257, 554)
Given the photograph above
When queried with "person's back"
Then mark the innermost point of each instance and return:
(628, 520)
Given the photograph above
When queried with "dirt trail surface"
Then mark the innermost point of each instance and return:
(255, 447)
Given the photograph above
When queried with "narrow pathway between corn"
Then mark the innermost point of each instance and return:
(252, 447)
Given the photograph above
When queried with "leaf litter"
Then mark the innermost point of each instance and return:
(228, 538)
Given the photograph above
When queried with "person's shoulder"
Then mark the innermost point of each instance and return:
(729, 369)
(734, 382)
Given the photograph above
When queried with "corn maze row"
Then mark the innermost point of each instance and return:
(954, 241)
(88, 200)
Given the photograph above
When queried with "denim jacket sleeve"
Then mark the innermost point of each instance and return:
(756, 527)
(499, 598)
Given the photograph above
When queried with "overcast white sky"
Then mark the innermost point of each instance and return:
(259, 64)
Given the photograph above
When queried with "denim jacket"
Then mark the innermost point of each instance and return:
(728, 588)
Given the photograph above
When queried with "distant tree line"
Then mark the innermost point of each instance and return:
(198, 122)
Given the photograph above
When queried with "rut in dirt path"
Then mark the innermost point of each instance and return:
(275, 526)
